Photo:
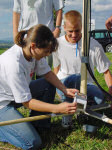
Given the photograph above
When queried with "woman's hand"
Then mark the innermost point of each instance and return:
(66, 108)
(70, 92)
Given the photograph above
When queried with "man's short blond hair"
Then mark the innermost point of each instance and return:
(72, 16)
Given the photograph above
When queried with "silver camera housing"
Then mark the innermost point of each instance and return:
(81, 102)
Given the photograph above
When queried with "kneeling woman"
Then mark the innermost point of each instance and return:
(17, 65)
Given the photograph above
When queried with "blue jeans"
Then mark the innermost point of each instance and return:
(24, 135)
(46, 93)
(94, 94)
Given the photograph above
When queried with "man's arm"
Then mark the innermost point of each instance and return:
(64, 108)
(16, 19)
(53, 79)
(56, 32)
(108, 80)
(55, 70)
(108, 23)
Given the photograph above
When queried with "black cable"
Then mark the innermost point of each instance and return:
(89, 67)
(93, 77)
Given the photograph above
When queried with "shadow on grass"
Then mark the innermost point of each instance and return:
(54, 136)
(104, 130)
(58, 136)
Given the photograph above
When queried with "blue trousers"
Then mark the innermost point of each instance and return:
(94, 94)
(24, 135)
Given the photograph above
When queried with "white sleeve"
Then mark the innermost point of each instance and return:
(58, 4)
(56, 60)
(102, 63)
(19, 86)
(42, 67)
(17, 6)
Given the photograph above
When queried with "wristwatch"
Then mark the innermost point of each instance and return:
(59, 27)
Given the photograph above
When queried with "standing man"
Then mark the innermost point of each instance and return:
(67, 61)
(27, 13)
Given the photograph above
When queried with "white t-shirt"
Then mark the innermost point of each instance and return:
(16, 73)
(35, 12)
(70, 60)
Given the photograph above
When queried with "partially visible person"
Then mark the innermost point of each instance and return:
(108, 23)
(27, 13)
(17, 66)
(32, 12)
(67, 62)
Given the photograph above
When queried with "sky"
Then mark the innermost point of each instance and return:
(101, 10)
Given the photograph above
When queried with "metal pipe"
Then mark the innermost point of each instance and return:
(85, 43)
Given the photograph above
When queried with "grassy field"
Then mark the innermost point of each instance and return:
(2, 50)
(58, 138)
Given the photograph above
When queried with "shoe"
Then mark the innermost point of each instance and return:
(67, 121)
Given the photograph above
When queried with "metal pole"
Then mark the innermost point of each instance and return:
(85, 43)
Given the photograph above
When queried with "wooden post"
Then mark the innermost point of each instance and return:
(85, 43)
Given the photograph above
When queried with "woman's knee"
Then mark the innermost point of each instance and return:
(36, 143)
(51, 88)
(50, 93)
(33, 144)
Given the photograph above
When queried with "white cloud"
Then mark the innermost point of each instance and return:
(73, 5)
(72, 2)
(97, 5)
(2, 11)
(6, 18)
(6, 6)
(102, 7)
(6, 3)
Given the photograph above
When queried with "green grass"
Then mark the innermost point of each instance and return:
(58, 138)
(100, 77)
(2, 50)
